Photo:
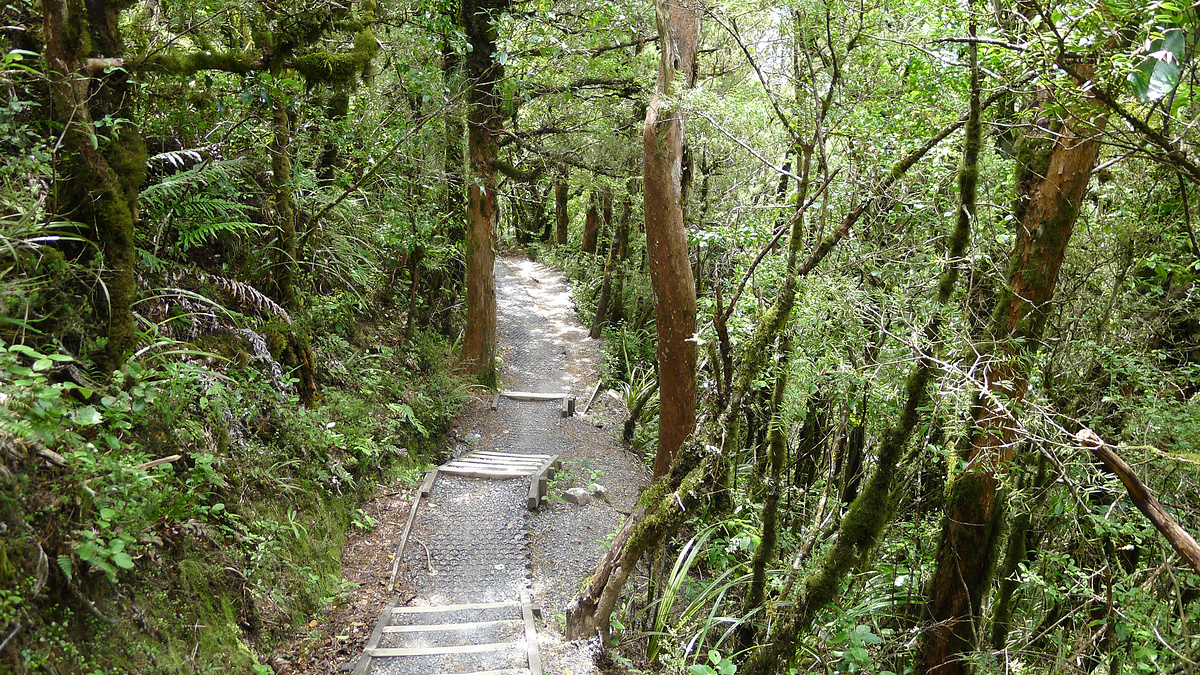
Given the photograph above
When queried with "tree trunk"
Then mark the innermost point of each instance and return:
(776, 454)
(605, 291)
(453, 162)
(560, 210)
(101, 188)
(484, 122)
(591, 226)
(1053, 175)
(284, 213)
(665, 172)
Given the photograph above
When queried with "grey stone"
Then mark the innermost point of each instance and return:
(597, 489)
(578, 496)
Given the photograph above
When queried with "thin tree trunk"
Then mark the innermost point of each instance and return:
(666, 174)
(484, 122)
(777, 451)
(560, 209)
(605, 291)
(455, 203)
(284, 271)
(1050, 197)
(591, 226)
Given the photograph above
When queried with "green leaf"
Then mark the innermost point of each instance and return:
(87, 416)
(699, 669)
(121, 559)
(87, 552)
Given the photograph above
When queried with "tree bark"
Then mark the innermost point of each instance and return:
(100, 188)
(284, 212)
(484, 123)
(560, 210)
(1053, 176)
(591, 226)
(605, 291)
(455, 203)
(665, 173)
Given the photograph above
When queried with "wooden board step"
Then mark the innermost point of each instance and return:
(430, 628)
(391, 652)
(454, 608)
(510, 671)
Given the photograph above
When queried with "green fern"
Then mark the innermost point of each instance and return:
(64, 564)
(196, 203)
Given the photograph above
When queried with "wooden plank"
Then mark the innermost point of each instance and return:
(531, 396)
(427, 484)
(412, 517)
(496, 401)
(591, 398)
(385, 652)
(433, 609)
(483, 473)
(503, 468)
(535, 658)
(505, 456)
(448, 626)
(385, 617)
(489, 453)
(481, 459)
(510, 671)
(568, 406)
(496, 464)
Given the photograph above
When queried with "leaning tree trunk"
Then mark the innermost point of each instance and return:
(484, 123)
(101, 188)
(1053, 176)
(665, 176)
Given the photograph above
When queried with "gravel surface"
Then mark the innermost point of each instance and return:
(474, 540)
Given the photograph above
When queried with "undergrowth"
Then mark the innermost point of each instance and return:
(184, 517)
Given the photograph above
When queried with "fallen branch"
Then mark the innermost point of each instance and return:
(1180, 540)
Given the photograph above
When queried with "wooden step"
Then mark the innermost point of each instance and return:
(390, 652)
(448, 626)
(454, 608)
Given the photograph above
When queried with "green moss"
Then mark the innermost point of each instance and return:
(331, 68)
(186, 64)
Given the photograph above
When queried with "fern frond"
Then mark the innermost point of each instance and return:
(247, 295)
(64, 564)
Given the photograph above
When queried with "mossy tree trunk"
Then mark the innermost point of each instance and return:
(1053, 174)
(666, 174)
(102, 177)
(283, 273)
(484, 123)
(776, 454)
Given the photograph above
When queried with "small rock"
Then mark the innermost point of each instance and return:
(578, 496)
(597, 490)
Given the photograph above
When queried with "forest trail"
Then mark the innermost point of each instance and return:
(479, 563)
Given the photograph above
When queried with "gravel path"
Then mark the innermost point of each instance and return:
(474, 540)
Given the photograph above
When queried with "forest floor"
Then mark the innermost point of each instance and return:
(550, 552)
